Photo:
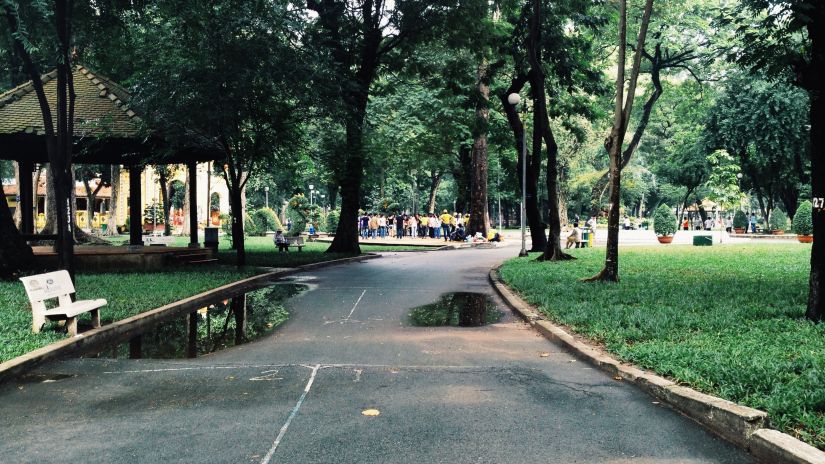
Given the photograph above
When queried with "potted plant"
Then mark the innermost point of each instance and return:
(740, 222)
(778, 222)
(153, 217)
(803, 225)
(664, 224)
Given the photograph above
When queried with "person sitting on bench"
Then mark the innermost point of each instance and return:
(574, 239)
(280, 241)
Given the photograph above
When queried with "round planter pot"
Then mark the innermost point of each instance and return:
(777, 232)
(739, 230)
(665, 238)
(805, 238)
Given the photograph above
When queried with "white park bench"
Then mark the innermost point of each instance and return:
(164, 240)
(43, 287)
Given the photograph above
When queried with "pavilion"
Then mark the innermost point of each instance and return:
(107, 130)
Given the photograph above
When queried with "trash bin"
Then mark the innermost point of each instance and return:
(210, 237)
(585, 239)
(702, 240)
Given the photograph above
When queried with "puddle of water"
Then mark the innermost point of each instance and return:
(460, 309)
(213, 328)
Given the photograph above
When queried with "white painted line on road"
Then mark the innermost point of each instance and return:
(308, 366)
(199, 368)
(356, 304)
(291, 415)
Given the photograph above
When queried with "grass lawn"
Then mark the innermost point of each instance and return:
(132, 293)
(127, 294)
(260, 251)
(727, 320)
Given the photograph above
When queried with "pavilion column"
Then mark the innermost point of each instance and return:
(25, 190)
(192, 167)
(135, 213)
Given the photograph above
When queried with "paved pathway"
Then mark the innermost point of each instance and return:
(451, 395)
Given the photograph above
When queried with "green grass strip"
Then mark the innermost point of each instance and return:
(726, 320)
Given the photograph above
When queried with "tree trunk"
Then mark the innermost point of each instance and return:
(18, 218)
(164, 199)
(816, 80)
(621, 117)
(186, 229)
(236, 202)
(461, 177)
(346, 236)
(543, 132)
(479, 217)
(113, 200)
(534, 222)
(51, 201)
(15, 254)
(435, 177)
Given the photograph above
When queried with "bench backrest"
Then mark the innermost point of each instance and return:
(43, 287)
(295, 240)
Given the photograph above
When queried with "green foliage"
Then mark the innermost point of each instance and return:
(803, 220)
(177, 198)
(740, 220)
(749, 343)
(332, 221)
(664, 221)
(265, 221)
(126, 295)
(298, 210)
(153, 214)
(226, 223)
(764, 125)
(249, 226)
(779, 220)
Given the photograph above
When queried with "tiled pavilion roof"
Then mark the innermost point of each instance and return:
(107, 130)
(101, 107)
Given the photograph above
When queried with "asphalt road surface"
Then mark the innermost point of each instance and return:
(443, 395)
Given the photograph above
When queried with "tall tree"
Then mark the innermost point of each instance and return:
(788, 39)
(227, 70)
(58, 122)
(615, 141)
(357, 37)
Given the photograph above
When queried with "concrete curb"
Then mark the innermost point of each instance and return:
(738, 424)
(124, 329)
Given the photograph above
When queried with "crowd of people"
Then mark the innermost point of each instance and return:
(450, 227)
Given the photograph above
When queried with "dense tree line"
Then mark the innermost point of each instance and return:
(404, 106)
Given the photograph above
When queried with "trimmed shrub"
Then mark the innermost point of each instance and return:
(298, 210)
(226, 223)
(779, 220)
(664, 221)
(803, 219)
(740, 220)
(249, 227)
(266, 220)
(332, 221)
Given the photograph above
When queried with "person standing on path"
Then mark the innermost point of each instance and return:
(399, 225)
(413, 222)
(446, 219)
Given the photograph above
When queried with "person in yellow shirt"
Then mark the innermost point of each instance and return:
(446, 219)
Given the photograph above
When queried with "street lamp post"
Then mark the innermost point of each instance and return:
(311, 191)
(514, 99)
(266, 193)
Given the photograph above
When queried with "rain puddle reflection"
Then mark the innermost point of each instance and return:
(460, 309)
(218, 326)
